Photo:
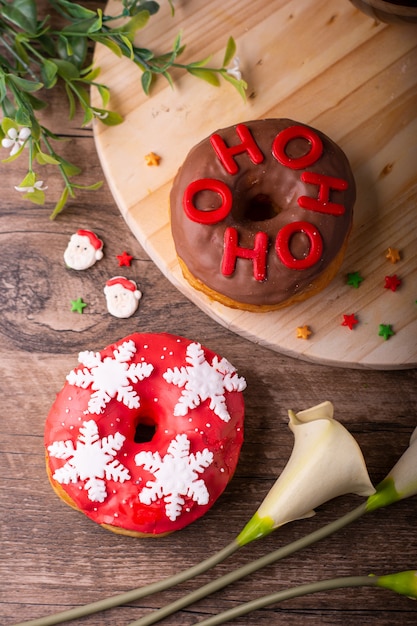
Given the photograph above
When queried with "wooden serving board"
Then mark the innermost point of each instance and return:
(319, 62)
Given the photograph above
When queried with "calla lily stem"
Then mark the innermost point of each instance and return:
(287, 594)
(251, 567)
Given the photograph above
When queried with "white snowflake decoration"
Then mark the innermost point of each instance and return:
(176, 475)
(110, 377)
(202, 381)
(92, 460)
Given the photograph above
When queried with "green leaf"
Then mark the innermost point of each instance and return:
(91, 76)
(76, 10)
(28, 86)
(60, 204)
(72, 49)
(92, 187)
(14, 15)
(29, 10)
(43, 158)
(7, 124)
(229, 52)
(22, 117)
(146, 80)
(239, 85)
(137, 22)
(111, 119)
(49, 71)
(66, 69)
(104, 94)
(29, 180)
(68, 168)
(90, 25)
(208, 75)
(37, 196)
(112, 45)
(36, 103)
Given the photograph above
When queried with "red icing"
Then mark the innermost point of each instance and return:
(212, 216)
(226, 153)
(257, 254)
(283, 245)
(292, 132)
(200, 426)
(322, 202)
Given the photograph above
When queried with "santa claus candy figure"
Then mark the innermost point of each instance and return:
(122, 296)
(83, 250)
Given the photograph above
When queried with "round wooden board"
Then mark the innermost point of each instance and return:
(319, 62)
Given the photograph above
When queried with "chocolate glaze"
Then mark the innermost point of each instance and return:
(264, 199)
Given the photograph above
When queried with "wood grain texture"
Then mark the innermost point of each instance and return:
(322, 63)
(52, 558)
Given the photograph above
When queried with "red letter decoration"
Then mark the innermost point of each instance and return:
(325, 184)
(295, 132)
(226, 154)
(210, 216)
(283, 240)
(257, 254)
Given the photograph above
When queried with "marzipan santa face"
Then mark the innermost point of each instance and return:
(122, 297)
(83, 250)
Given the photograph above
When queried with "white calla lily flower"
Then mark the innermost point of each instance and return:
(326, 462)
(401, 482)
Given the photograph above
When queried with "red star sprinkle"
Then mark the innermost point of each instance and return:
(350, 321)
(124, 259)
(392, 282)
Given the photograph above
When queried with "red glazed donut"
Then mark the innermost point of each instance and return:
(261, 213)
(146, 434)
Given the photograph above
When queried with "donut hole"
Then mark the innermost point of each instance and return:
(145, 430)
(260, 208)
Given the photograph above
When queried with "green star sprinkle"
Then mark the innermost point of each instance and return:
(78, 305)
(385, 331)
(354, 279)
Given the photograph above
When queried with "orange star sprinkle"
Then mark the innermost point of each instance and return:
(393, 255)
(303, 332)
(152, 159)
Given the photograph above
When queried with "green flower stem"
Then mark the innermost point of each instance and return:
(135, 594)
(287, 594)
(249, 568)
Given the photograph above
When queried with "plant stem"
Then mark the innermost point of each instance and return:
(287, 594)
(135, 594)
(251, 567)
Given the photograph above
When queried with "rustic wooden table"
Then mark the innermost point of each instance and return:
(53, 558)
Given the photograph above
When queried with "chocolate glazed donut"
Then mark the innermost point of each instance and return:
(261, 213)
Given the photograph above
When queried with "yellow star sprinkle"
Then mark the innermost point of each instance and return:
(393, 255)
(303, 332)
(152, 159)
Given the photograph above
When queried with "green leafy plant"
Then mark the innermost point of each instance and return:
(35, 56)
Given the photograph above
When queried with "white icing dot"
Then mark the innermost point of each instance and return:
(95, 509)
(190, 419)
(162, 356)
(164, 348)
(66, 410)
(116, 515)
(69, 398)
(222, 469)
(208, 425)
(114, 491)
(171, 353)
(156, 399)
(166, 431)
(62, 423)
(196, 430)
(146, 346)
(71, 427)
